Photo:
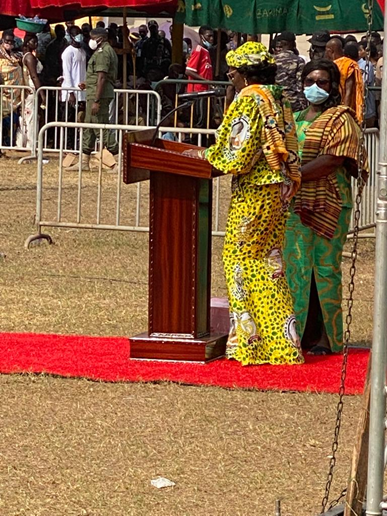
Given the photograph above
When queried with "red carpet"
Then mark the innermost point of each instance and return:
(106, 358)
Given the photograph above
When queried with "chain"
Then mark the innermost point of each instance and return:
(352, 273)
(336, 502)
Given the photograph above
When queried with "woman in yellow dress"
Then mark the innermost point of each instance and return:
(257, 144)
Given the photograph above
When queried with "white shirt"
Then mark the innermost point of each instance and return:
(74, 72)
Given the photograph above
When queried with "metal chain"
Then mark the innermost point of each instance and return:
(336, 502)
(352, 273)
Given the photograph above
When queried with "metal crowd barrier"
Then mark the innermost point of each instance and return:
(134, 107)
(129, 107)
(116, 206)
(12, 102)
(212, 108)
(369, 196)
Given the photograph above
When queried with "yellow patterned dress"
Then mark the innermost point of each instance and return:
(257, 144)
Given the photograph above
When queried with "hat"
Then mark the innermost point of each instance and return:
(320, 38)
(98, 32)
(152, 22)
(250, 53)
(286, 36)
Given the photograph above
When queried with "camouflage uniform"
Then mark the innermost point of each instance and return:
(105, 60)
(289, 72)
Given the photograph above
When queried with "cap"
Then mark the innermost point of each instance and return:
(286, 36)
(99, 31)
(152, 22)
(320, 38)
(376, 35)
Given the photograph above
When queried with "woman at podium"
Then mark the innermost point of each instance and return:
(257, 144)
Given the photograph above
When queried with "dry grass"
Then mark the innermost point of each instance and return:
(75, 447)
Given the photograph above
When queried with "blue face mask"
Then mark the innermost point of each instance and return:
(206, 43)
(315, 95)
(78, 38)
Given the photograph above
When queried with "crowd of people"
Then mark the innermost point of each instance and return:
(289, 136)
(60, 56)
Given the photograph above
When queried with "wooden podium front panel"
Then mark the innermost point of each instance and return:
(179, 276)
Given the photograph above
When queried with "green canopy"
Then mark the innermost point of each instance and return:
(268, 16)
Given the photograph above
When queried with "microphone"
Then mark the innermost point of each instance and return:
(187, 103)
(202, 94)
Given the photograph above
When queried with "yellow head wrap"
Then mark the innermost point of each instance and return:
(250, 53)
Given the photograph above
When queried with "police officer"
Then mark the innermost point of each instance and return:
(289, 69)
(100, 78)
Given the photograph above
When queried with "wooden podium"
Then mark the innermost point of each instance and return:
(179, 250)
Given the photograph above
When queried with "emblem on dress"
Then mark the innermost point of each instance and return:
(290, 331)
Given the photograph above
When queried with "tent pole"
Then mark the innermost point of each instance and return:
(125, 55)
(177, 42)
(218, 51)
(379, 341)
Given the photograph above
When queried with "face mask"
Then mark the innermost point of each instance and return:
(206, 43)
(315, 95)
(78, 38)
(93, 44)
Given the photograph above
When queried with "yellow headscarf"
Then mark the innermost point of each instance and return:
(250, 53)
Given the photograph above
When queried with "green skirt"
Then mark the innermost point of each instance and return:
(307, 253)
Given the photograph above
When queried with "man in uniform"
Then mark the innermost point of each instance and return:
(100, 78)
(318, 42)
(289, 70)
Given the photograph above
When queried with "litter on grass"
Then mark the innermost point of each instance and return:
(161, 482)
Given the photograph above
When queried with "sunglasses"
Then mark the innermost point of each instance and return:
(320, 82)
(9, 41)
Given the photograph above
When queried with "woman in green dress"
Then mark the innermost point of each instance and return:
(329, 136)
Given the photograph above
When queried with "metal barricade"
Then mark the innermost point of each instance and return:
(206, 113)
(114, 206)
(97, 199)
(129, 107)
(369, 198)
(13, 134)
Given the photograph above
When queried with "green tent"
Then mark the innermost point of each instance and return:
(268, 16)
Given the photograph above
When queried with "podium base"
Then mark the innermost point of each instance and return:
(205, 349)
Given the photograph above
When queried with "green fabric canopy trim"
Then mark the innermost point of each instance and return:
(267, 17)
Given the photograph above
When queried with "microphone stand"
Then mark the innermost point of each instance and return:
(184, 105)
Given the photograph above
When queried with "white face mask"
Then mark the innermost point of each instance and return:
(93, 44)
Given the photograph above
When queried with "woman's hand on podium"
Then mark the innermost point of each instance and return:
(194, 153)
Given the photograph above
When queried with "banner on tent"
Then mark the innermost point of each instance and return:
(267, 17)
